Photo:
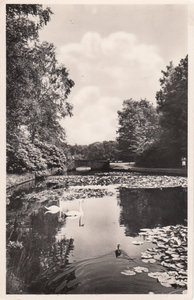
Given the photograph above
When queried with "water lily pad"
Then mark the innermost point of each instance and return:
(154, 274)
(160, 245)
(143, 233)
(146, 255)
(181, 266)
(181, 283)
(128, 272)
(140, 269)
(145, 229)
(152, 260)
(166, 284)
(137, 243)
(157, 256)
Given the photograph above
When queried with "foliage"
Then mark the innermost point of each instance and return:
(97, 150)
(171, 146)
(37, 92)
(21, 30)
(157, 155)
(24, 156)
(172, 106)
(138, 128)
(37, 87)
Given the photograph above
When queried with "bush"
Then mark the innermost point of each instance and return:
(158, 156)
(23, 155)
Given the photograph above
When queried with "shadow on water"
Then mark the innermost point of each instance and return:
(39, 263)
(33, 251)
(149, 208)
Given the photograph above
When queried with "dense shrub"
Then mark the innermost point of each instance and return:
(23, 155)
(158, 156)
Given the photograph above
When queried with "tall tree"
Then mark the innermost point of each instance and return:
(37, 86)
(48, 102)
(21, 30)
(37, 91)
(138, 125)
(172, 107)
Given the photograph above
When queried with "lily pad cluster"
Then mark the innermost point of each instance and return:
(170, 251)
(135, 270)
(131, 180)
(88, 193)
(168, 279)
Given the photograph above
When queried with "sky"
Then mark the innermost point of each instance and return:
(113, 53)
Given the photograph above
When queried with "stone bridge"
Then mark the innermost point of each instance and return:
(93, 164)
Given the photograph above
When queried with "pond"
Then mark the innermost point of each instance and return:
(121, 239)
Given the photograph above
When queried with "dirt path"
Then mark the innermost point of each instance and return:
(163, 171)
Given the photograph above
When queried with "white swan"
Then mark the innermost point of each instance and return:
(71, 214)
(75, 213)
(53, 209)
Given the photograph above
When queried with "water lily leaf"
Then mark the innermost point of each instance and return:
(146, 255)
(128, 273)
(140, 269)
(166, 284)
(181, 283)
(137, 242)
(152, 261)
(143, 233)
(154, 274)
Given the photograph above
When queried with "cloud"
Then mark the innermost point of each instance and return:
(107, 70)
(95, 117)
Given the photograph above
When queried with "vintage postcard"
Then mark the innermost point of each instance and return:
(97, 149)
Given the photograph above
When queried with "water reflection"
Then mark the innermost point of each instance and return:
(32, 252)
(148, 208)
(47, 254)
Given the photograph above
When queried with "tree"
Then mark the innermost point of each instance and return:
(48, 102)
(97, 150)
(138, 128)
(172, 107)
(20, 32)
(37, 86)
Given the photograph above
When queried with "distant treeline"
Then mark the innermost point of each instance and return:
(100, 150)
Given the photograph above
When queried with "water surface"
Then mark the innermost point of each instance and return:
(77, 256)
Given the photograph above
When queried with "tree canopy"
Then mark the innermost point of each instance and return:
(138, 125)
(172, 107)
(98, 150)
(37, 85)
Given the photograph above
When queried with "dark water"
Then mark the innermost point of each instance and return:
(48, 256)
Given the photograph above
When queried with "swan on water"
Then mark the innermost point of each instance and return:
(75, 213)
(53, 209)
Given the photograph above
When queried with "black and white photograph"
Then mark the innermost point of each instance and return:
(97, 149)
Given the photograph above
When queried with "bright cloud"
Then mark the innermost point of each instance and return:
(95, 117)
(107, 70)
